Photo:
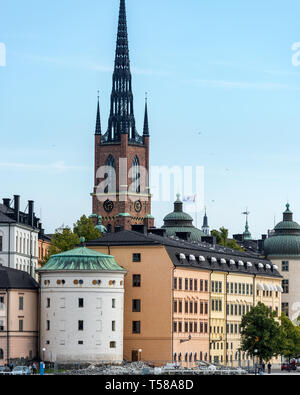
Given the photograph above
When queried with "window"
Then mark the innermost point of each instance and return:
(136, 175)
(285, 309)
(48, 325)
(113, 326)
(180, 306)
(80, 342)
(80, 303)
(2, 306)
(175, 283)
(175, 306)
(136, 306)
(80, 325)
(21, 328)
(136, 327)
(1, 243)
(136, 279)
(48, 303)
(136, 258)
(285, 266)
(21, 302)
(1, 326)
(196, 285)
(186, 284)
(175, 327)
(201, 285)
(110, 175)
(180, 284)
(285, 286)
(206, 286)
(113, 303)
(191, 284)
(1, 354)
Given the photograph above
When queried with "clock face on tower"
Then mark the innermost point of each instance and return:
(138, 206)
(108, 206)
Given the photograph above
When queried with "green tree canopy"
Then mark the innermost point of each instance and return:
(222, 239)
(290, 338)
(68, 239)
(261, 331)
(85, 227)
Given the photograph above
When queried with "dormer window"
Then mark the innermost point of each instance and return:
(232, 262)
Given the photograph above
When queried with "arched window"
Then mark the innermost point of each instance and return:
(136, 175)
(110, 174)
(1, 354)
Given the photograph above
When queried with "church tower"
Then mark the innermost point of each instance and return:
(121, 193)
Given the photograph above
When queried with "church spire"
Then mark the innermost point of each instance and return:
(146, 123)
(121, 119)
(205, 227)
(98, 120)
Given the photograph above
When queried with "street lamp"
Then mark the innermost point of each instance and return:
(255, 352)
(43, 354)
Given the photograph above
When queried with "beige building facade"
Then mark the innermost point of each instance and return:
(18, 316)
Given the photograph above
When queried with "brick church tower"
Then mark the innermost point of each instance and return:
(122, 194)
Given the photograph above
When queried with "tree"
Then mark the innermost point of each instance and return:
(61, 242)
(67, 240)
(222, 239)
(290, 347)
(261, 333)
(85, 227)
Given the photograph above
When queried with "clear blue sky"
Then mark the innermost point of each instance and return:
(219, 68)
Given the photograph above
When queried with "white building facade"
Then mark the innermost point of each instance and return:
(82, 308)
(18, 238)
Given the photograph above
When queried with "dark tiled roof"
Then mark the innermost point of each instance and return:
(16, 279)
(175, 247)
(5, 219)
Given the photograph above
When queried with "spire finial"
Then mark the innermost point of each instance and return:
(146, 122)
(98, 120)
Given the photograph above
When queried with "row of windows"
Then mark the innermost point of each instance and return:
(190, 307)
(80, 325)
(239, 289)
(21, 326)
(62, 342)
(81, 282)
(81, 303)
(216, 305)
(2, 303)
(26, 246)
(190, 327)
(238, 310)
(190, 284)
(268, 294)
(190, 357)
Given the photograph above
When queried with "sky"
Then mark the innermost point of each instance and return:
(223, 94)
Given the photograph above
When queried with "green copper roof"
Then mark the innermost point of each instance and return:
(178, 216)
(81, 258)
(179, 221)
(286, 240)
(123, 215)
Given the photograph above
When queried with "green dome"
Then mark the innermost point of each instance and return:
(179, 221)
(285, 242)
(81, 258)
(178, 216)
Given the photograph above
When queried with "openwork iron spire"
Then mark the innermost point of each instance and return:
(98, 120)
(146, 123)
(121, 119)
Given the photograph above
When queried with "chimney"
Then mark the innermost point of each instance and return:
(30, 212)
(17, 207)
(6, 202)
